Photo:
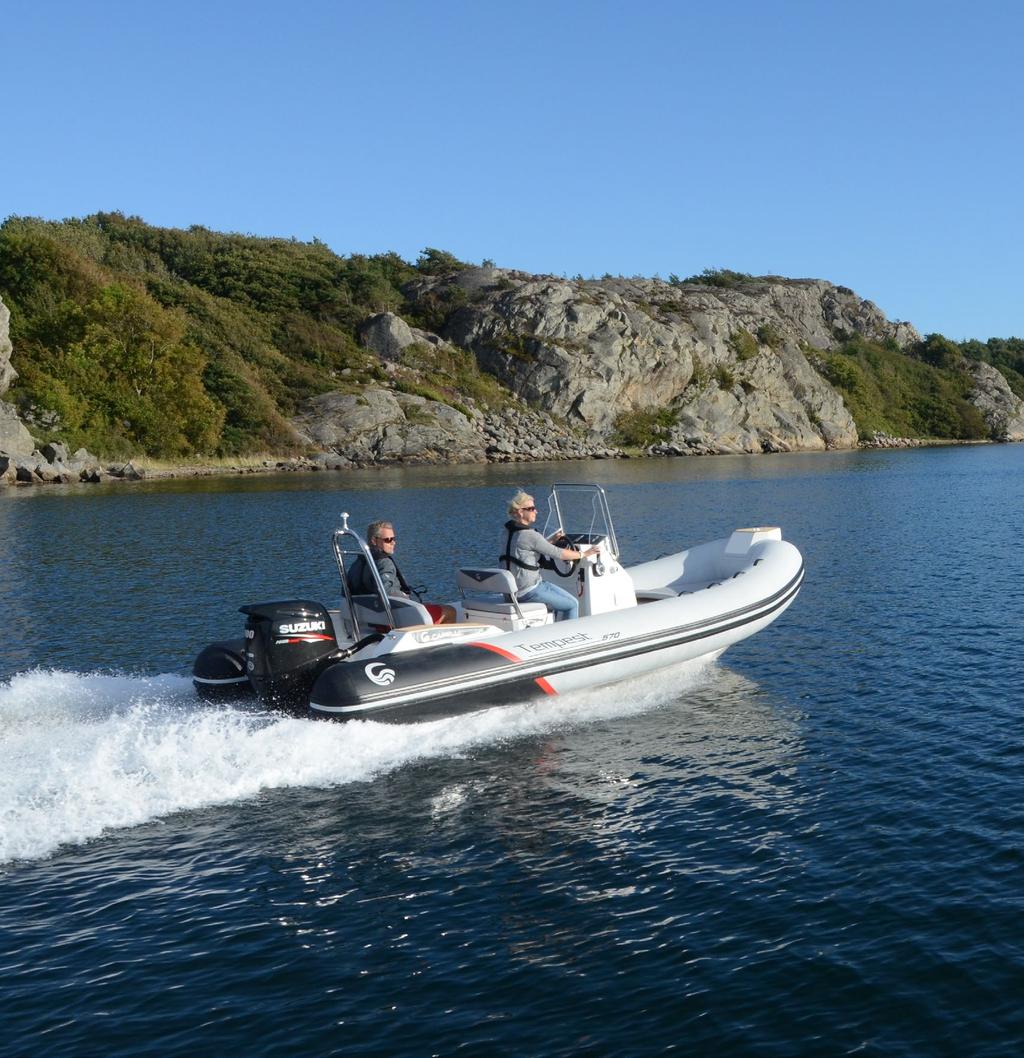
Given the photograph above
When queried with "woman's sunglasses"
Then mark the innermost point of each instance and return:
(527, 508)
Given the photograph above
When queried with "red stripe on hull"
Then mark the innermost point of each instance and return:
(545, 686)
(497, 650)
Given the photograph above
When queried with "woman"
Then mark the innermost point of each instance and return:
(521, 550)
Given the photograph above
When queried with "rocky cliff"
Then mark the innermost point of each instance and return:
(718, 368)
(15, 440)
(7, 373)
(727, 365)
(1002, 409)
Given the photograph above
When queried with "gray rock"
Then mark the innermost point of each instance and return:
(55, 452)
(881, 439)
(381, 426)
(1002, 408)
(387, 335)
(736, 367)
(36, 417)
(82, 458)
(52, 473)
(14, 438)
(330, 461)
(127, 471)
(473, 280)
(7, 372)
(83, 464)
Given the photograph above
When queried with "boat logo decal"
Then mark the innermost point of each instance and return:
(302, 626)
(552, 644)
(432, 635)
(377, 672)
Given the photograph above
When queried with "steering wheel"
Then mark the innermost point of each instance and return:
(561, 566)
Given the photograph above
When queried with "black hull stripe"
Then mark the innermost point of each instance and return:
(528, 670)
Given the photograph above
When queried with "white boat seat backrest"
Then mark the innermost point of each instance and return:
(494, 581)
(497, 580)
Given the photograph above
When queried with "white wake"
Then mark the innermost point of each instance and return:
(81, 754)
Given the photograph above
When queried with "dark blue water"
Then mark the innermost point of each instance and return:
(814, 846)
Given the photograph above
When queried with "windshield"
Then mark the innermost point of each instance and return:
(581, 511)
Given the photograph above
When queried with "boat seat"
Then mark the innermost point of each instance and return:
(370, 611)
(500, 606)
(492, 582)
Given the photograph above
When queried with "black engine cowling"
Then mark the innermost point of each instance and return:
(287, 645)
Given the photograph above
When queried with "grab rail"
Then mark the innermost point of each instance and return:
(358, 548)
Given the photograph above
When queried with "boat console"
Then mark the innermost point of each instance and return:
(598, 581)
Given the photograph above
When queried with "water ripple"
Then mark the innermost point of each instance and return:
(814, 848)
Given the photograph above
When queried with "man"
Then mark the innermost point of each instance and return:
(381, 538)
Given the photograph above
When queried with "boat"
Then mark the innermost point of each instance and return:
(378, 656)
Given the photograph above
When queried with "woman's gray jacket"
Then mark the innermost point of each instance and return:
(521, 553)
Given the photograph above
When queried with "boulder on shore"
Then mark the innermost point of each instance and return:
(15, 439)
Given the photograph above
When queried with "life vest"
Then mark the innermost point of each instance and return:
(508, 558)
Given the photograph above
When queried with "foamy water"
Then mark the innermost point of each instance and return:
(81, 754)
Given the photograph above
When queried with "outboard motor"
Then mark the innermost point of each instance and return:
(218, 673)
(287, 645)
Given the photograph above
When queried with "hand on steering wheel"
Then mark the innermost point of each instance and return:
(562, 566)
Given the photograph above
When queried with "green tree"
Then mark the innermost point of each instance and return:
(433, 262)
(940, 352)
(138, 376)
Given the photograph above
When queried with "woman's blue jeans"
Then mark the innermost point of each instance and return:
(564, 605)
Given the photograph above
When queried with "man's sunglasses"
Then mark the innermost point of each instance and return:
(386, 539)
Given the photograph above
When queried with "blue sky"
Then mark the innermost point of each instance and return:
(876, 145)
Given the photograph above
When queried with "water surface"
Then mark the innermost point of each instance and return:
(812, 846)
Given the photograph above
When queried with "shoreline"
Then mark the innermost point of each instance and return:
(143, 469)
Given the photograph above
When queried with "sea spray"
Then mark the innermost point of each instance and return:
(81, 754)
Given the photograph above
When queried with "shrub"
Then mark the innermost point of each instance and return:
(452, 372)
(842, 373)
(433, 262)
(700, 377)
(724, 377)
(720, 277)
(939, 351)
(744, 344)
(432, 309)
(900, 394)
(641, 429)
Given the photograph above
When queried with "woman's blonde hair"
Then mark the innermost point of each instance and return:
(520, 499)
